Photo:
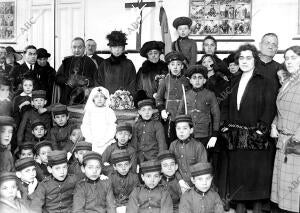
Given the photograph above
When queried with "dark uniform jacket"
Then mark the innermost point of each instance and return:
(25, 131)
(93, 196)
(117, 73)
(106, 156)
(187, 153)
(169, 93)
(6, 108)
(146, 76)
(195, 201)
(148, 139)
(41, 171)
(7, 160)
(122, 186)
(75, 168)
(188, 47)
(4, 71)
(59, 135)
(54, 196)
(145, 200)
(74, 68)
(17, 112)
(204, 109)
(172, 184)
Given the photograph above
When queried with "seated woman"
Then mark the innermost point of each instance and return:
(152, 69)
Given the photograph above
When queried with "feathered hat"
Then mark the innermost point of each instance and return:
(116, 38)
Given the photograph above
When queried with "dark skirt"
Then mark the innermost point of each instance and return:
(250, 172)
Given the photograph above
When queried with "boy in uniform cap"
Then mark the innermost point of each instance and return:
(55, 193)
(26, 173)
(170, 93)
(7, 125)
(185, 45)
(39, 130)
(60, 133)
(123, 180)
(26, 150)
(93, 194)
(123, 142)
(38, 100)
(148, 136)
(117, 71)
(201, 198)
(187, 150)
(203, 107)
(81, 148)
(42, 149)
(152, 68)
(169, 180)
(150, 197)
(9, 202)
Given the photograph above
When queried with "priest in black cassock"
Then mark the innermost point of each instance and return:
(117, 71)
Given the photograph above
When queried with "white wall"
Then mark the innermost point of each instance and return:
(99, 17)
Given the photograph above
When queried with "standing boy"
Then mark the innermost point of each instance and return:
(187, 150)
(185, 45)
(150, 197)
(148, 137)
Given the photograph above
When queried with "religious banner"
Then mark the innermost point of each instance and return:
(221, 17)
(7, 21)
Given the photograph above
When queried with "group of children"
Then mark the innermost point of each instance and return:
(99, 166)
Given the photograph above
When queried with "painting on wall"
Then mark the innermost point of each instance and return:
(221, 17)
(7, 21)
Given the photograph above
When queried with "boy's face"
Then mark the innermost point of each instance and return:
(122, 167)
(183, 130)
(61, 120)
(39, 131)
(8, 190)
(99, 100)
(75, 135)
(233, 68)
(79, 155)
(202, 182)
(146, 112)
(151, 179)
(92, 169)
(26, 153)
(59, 171)
(27, 86)
(153, 56)
(43, 153)
(4, 91)
(209, 46)
(6, 134)
(208, 63)
(175, 67)
(183, 30)
(117, 50)
(168, 167)
(27, 175)
(197, 80)
(42, 61)
(123, 137)
(38, 103)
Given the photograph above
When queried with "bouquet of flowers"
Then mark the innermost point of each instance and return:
(121, 99)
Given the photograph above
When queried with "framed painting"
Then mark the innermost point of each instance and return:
(8, 25)
(221, 17)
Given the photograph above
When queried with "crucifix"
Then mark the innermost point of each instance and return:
(140, 4)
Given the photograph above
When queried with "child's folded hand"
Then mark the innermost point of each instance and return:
(212, 142)
(184, 186)
(103, 177)
(106, 164)
(164, 114)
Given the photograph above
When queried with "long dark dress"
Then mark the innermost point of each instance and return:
(146, 76)
(251, 169)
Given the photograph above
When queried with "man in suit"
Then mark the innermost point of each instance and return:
(4, 67)
(76, 74)
(28, 68)
(91, 47)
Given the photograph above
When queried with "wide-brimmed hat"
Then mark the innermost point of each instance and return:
(11, 50)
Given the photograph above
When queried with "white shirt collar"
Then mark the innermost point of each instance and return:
(28, 65)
